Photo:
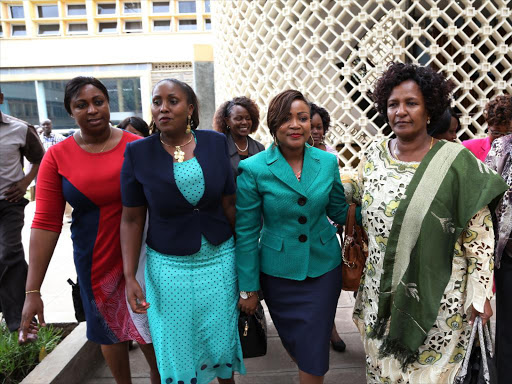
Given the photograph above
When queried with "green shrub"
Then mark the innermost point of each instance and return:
(16, 361)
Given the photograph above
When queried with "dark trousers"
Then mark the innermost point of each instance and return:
(13, 267)
(503, 278)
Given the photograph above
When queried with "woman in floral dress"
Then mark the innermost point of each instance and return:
(429, 269)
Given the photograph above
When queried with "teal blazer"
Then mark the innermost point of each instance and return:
(294, 240)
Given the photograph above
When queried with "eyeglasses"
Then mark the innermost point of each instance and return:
(499, 133)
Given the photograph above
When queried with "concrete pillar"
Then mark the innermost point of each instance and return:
(204, 84)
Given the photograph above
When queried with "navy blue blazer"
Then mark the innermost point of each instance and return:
(175, 225)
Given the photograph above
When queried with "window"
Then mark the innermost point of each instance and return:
(47, 11)
(133, 26)
(77, 28)
(131, 7)
(110, 27)
(48, 29)
(76, 9)
(20, 101)
(187, 25)
(19, 30)
(207, 24)
(187, 6)
(106, 9)
(161, 25)
(17, 12)
(161, 7)
(207, 8)
(1, 31)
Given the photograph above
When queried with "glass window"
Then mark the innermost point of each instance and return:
(48, 29)
(125, 98)
(133, 26)
(1, 31)
(76, 9)
(19, 30)
(161, 7)
(207, 24)
(207, 6)
(187, 25)
(106, 9)
(77, 28)
(132, 7)
(187, 6)
(20, 101)
(17, 12)
(53, 96)
(47, 11)
(161, 25)
(110, 27)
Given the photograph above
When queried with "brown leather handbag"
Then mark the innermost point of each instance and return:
(354, 252)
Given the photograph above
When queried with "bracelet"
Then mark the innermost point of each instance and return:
(33, 291)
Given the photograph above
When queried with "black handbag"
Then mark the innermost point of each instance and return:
(479, 366)
(77, 301)
(253, 333)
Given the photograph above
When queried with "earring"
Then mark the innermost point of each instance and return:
(428, 121)
(276, 143)
(189, 129)
(228, 127)
(313, 140)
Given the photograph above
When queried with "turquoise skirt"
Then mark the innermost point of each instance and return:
(193, 314)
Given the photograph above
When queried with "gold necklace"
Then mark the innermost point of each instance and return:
(298, 174)
(179, 155)
(396, 143)
(89, 145)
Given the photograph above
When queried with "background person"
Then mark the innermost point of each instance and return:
(320, 123)
(446, 127)
(18, 139)
(237, 119)
(135, 125)
(183, 178)
(85, 171)
(499, 159)
(429, 267)
(495, 113)
(49, 138)
(295, 254)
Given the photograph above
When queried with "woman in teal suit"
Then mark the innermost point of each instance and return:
(294, 253)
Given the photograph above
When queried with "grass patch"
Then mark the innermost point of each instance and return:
(16, 361)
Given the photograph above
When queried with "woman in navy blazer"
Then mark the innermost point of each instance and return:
(294, 255)
(183, 178)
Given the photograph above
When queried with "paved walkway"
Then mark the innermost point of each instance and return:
(274, 368)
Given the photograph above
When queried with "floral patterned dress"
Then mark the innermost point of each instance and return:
(384, 182)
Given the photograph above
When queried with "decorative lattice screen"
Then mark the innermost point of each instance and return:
(333, 50)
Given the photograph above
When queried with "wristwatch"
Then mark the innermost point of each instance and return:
(245, 295)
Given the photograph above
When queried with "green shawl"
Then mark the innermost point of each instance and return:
(449, 187)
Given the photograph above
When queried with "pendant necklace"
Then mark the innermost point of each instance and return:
(89, 146)
(179, 155)
(240, 149)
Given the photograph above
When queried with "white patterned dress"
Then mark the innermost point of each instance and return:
(384, 182)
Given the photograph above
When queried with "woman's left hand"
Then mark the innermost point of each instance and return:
(249, 305)
(485, 315)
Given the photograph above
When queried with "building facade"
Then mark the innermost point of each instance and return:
(333, 51)
(128, 45)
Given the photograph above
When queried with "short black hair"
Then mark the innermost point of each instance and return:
(442, 124)
(279, 108)
(435, 88)
(74, 86)
(137, 123)
(324, 115)
(191, 98)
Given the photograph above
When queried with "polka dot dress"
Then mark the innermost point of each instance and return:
(193, 313)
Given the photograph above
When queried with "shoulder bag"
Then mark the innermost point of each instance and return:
(354, 252)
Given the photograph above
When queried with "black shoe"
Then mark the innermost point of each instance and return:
(339, 346)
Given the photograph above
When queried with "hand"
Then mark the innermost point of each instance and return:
(249, 305)
(16, 191)
(135, 296)
(28, 328)
(485, 316)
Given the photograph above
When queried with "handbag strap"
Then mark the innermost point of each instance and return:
(350, 221)
(477, 325)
